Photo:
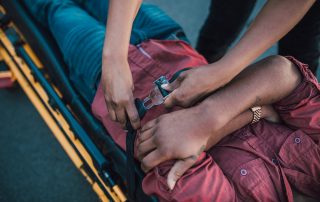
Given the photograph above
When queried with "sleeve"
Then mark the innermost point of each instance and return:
(301, 109)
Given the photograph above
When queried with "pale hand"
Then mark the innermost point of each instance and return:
(117, 84)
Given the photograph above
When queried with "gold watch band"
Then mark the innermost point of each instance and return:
(256, 114)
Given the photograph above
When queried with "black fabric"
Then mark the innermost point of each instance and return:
(131, 174)
(303, 41)
(224, 23)
(132, 178)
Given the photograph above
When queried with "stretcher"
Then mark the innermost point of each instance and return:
(30, 57)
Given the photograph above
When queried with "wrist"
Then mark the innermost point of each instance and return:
(211, 115)
(205, 122)
(115, 62)
(266, 111)
(222, 70)
(257, 114)
(114, 55)
(232, 65)
(115, 52)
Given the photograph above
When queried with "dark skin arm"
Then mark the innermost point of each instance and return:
(182, 165)
(198, 128)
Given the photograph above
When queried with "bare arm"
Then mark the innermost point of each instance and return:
(262, 83)
(241, 120)
(275, 19)
(120, 19)
(116, 76)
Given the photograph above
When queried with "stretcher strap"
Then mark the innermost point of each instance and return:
(131, 175)
(130, 140)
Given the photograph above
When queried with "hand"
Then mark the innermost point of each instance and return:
(180, 135)
(195, 84)
(117, 84)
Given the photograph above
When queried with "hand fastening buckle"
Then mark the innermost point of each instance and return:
(157, 95)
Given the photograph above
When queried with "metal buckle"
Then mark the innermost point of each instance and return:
(155, 97)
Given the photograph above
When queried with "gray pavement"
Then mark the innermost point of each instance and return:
(33, 166)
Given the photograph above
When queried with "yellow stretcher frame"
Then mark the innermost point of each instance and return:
(54, 120)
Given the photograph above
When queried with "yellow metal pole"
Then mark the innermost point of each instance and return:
(51, 124)
(115, 192)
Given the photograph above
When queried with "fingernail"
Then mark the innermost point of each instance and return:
(171, 183)
(164, 85)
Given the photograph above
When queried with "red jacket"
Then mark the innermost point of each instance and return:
(256, 163)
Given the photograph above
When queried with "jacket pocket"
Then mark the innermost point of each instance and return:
(253, 182)
(300, 157)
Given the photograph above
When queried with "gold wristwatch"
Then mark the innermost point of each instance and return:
(256, 114)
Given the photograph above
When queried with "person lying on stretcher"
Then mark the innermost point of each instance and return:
(211, 151)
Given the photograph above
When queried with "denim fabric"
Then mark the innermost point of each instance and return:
(80, 36)
(150, 23)
(228, 17)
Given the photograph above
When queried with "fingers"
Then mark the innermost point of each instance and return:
(178, 169)
(149, 125)
(133, 115)
(145, 147)
(121, 113)
(146, 135)
(111, 111)
(152, 160)
(171, 99)
(121, 116)
(171, 86)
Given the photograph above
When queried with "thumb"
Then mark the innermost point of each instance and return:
(171, 86)
(178, 169)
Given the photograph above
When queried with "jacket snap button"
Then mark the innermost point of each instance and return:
(274, 161)
(243, 172)
(297, 140)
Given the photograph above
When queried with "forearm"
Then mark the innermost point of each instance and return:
(241, 120)
(237, 123)
(275, 20)
(119, 25)
(261, 84)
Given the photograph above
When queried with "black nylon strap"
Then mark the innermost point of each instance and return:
(131, 175)
(130, 139)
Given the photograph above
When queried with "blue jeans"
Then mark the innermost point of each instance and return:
(78, 27)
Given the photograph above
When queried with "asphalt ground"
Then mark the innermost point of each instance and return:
(33, 166)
